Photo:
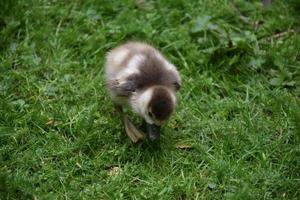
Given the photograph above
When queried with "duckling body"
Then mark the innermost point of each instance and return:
(138, 75)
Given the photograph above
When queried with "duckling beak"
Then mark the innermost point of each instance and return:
(153, 132)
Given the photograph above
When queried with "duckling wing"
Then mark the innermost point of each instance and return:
(124, 88)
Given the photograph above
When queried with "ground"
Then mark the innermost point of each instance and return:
(236, 131)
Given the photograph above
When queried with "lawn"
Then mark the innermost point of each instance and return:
(235, 133)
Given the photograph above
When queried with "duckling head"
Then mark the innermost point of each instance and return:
(155, 104)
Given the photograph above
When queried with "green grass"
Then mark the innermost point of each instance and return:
(239, 106)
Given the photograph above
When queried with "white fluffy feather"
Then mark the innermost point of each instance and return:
(139, 104)
(132, 67)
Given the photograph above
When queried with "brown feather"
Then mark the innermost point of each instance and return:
(153, 72)
(161, 103)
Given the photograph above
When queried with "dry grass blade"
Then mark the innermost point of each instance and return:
(278, 35)
(114, 171)
(183, 146)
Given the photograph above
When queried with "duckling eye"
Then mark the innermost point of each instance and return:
(177, 85)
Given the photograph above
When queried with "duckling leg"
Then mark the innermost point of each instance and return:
(132, 132)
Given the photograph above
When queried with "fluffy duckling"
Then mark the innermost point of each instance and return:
(138, 75)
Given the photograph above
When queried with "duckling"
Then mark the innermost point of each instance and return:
(139, 76)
